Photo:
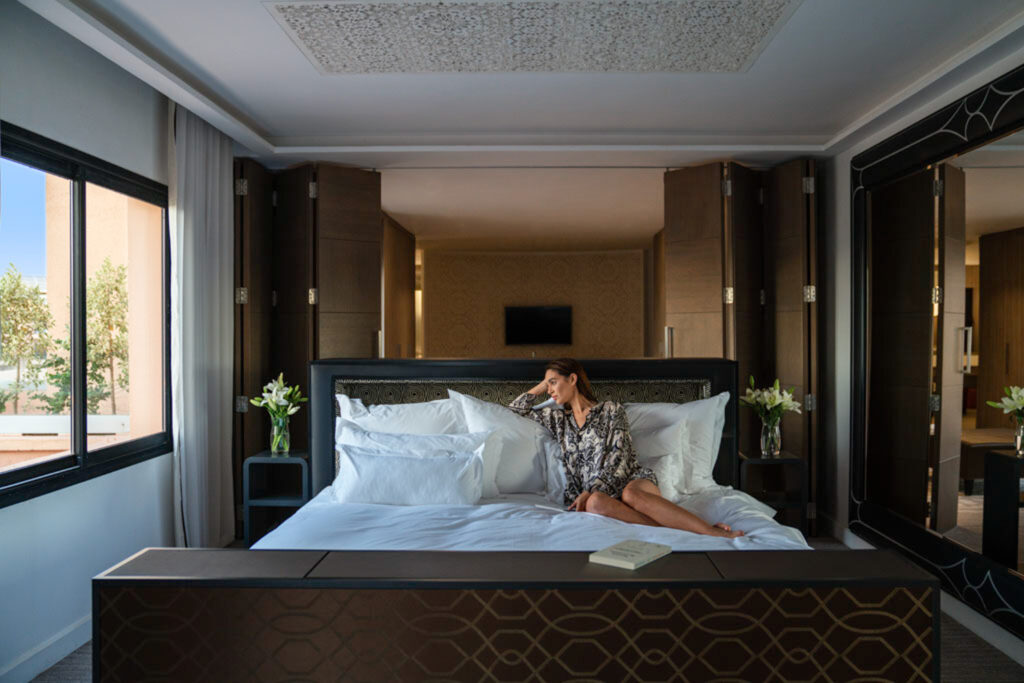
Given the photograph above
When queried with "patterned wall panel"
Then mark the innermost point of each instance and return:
(375, 391)
(465, 294)
(737, 634)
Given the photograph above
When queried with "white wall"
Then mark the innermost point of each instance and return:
(51, 546)
(57, 87)
(1000, 58)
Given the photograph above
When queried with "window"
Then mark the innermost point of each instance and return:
(84, 317)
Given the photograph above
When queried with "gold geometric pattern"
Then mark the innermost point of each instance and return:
(377, 391)
(737, 634)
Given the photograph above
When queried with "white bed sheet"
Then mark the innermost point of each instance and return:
(522, 522)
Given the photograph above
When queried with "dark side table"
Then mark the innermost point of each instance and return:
(273, 488)
(780, 483)
(1000, 526)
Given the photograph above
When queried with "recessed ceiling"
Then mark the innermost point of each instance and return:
(803, 79)
(507, 36)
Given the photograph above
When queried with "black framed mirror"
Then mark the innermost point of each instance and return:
(912, 353)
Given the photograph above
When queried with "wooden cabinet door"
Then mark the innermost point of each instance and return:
(348, 262)
(901, 271)
(398, 274)
(694, 269)
(950, 348)
(744, 269)
(293, 344)
(253, 305)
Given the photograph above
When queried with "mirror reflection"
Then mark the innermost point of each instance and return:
(946, 334)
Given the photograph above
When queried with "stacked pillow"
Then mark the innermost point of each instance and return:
(459, 449)
(679, 441)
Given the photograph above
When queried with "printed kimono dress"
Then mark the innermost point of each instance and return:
(598, 456)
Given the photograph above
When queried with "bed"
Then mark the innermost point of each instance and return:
(502, 590)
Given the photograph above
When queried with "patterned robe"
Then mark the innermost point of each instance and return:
(598, 456)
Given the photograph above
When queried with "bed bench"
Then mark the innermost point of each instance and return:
(237, 615)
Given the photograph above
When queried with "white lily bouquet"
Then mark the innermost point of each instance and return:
(770, 405)
(1013, 404)
(281, 401)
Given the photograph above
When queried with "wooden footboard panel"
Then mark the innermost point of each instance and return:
(159, 627)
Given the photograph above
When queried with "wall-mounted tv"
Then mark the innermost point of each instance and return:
(538, 325)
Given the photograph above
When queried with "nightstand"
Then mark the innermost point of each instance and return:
(780, 483)
(273, 488)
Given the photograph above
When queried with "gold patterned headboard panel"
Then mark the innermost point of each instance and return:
(376, 391)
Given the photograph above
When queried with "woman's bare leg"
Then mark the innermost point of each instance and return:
(644, 497)
(603, 504)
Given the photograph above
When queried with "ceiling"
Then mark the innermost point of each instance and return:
(604, 123)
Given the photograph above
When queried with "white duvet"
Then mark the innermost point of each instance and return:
(518, 522)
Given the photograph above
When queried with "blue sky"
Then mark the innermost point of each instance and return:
(22, 218)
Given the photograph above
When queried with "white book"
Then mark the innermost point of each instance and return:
(630, 554)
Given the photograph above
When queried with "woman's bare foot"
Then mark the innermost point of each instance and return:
(724, 530)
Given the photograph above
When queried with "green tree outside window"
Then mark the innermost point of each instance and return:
(25, 322)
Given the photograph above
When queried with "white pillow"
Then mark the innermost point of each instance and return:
(396, 478)
(430, 417)
(516, 442)
(701, 424)
(347, 433)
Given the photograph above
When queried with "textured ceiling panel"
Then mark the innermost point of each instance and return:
(388, 36)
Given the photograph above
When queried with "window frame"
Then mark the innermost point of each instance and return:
(25, 147)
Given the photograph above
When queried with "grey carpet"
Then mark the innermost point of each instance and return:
(966, 658)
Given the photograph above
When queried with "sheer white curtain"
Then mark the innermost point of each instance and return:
(202, 262)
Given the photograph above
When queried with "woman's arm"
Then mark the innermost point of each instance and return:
(523, 405)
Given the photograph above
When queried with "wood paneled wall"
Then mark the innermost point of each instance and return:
(1001, 353)
(654, 296)
(465, 294)
(398, 263)
(694, 274)
(349, 234)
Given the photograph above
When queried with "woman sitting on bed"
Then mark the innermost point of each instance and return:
(602, 472)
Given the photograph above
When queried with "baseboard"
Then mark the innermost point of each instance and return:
(989, 631)
(47, 653)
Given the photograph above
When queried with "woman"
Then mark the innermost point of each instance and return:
(602, 473)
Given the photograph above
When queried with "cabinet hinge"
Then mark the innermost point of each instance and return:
(760, 195)
(810, 294)
(728, 295)
(726, 188)
(934, 403)
(273, 297)
(808, 185)
(241, 187)
(936, 295)
(241, 295)
(241, 404)
(314, 296)
(273, 198)
(938, 187)
(764, 297)
(810, 403)
(313, 192)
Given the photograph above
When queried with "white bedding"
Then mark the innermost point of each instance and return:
(518, 522)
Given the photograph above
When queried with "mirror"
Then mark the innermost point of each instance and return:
(946, 248)
(938, 308)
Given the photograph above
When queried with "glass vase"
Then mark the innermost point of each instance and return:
(280, 437)
(1018, 439)
(771, 440)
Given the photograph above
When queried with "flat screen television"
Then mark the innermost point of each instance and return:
(538, 325)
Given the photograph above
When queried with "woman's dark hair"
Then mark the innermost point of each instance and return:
(569, 366)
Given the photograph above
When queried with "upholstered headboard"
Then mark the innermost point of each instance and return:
(675, 380)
